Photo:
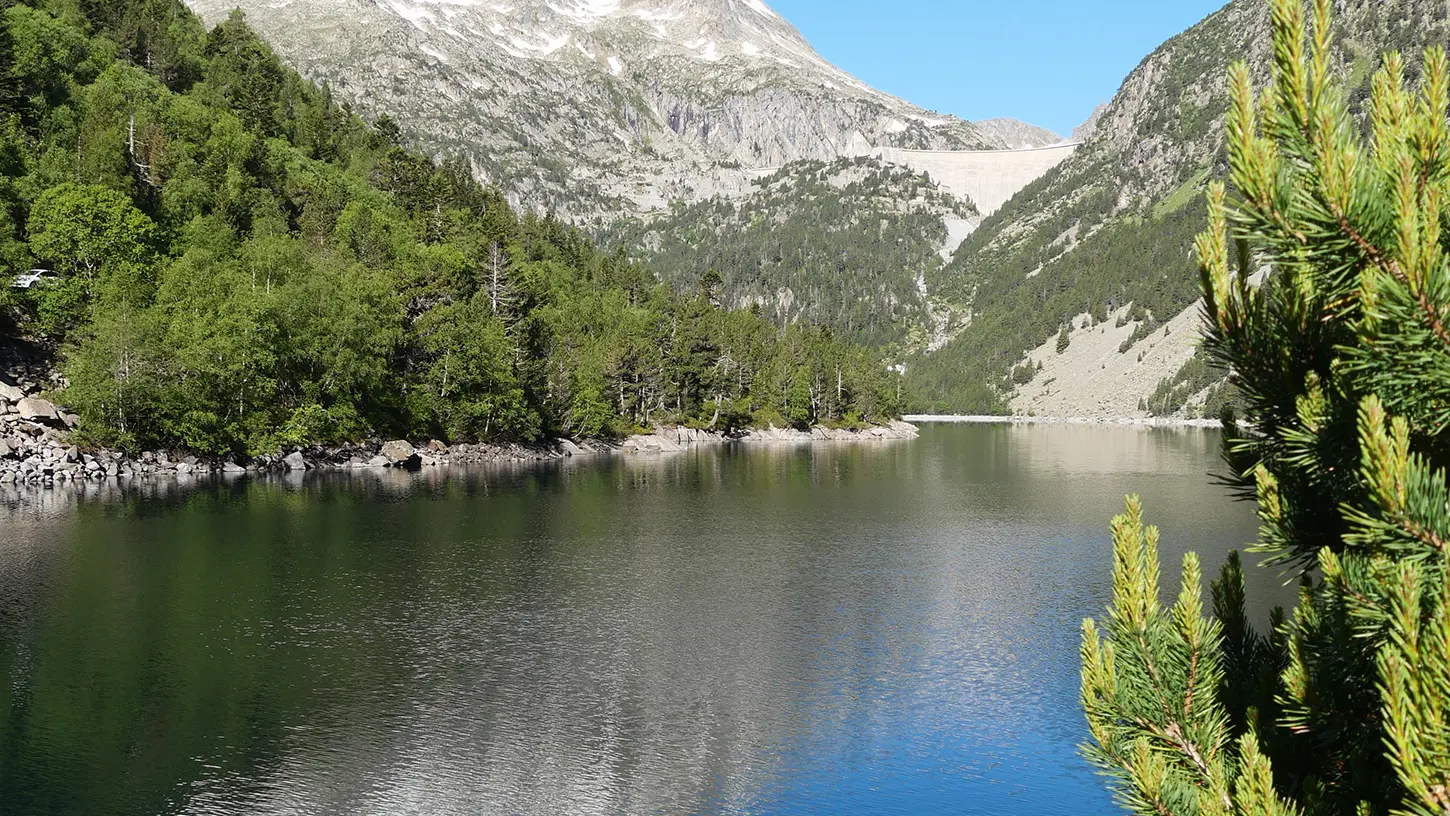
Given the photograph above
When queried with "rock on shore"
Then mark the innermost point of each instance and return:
(34, 444)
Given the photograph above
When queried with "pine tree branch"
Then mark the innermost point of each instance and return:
(1130, 769)
(1423, 534)
(1174, 736)
(1152, 667)
(1192, 683)
(1391, 267)
(1432, 315)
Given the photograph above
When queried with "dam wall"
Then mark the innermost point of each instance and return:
(988, 177)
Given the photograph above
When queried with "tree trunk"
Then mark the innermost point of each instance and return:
(716, 418)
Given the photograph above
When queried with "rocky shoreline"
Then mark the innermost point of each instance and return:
(35, 448)
(670, 440)
(1141, 422)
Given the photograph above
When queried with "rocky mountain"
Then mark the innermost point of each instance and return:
(1085, 131)
(1105, 237)
(1015, 135)
(596, 107)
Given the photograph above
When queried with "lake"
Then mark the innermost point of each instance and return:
(838, 628)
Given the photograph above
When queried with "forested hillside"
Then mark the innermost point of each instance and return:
(846, 244)
(1111, 228)
(242, 264)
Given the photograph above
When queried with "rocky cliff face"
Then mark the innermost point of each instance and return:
(1015, 135)
(601, 106)
(1086, 130)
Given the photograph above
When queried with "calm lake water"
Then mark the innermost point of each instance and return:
(829, 629)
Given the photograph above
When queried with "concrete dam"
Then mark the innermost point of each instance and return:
(988, 177)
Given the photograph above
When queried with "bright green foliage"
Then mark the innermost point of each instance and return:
(99, 245)
(470, 383)
(1151, 686)
(242, 264)
(89, 230)
(1343, 361)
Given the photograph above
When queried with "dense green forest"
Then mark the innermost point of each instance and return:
(242, 264)
(842, 244)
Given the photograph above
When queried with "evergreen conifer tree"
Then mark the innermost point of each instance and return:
(1343, 357)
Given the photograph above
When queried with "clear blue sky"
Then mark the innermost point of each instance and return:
(1048, 62)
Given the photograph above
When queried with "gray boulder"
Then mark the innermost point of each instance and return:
(294, 461)
(11, 393)
(400, 454)
(34, 408)
(663, 442)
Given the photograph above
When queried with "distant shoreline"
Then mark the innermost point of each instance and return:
(1140, 422)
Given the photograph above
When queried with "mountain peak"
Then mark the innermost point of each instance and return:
(1085, 130)
(1016, 135)
(615, 34)
(599, 106)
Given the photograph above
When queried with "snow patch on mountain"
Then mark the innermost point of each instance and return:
(536, 92)
(760, 8)
(586, 11)
(417, 15)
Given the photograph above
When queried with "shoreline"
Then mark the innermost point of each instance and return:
(36, 451)
(1139, 422)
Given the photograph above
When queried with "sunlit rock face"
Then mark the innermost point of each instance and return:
(602, 106)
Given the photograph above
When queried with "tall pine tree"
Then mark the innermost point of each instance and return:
(1343, 357)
